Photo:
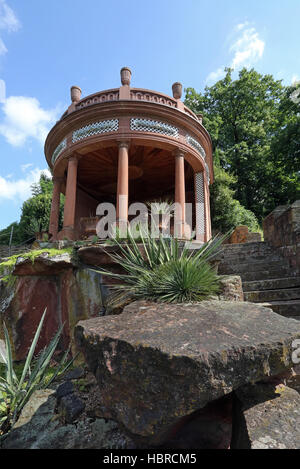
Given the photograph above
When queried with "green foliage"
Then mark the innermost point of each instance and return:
(178, 281)
(254, 127)
(8, 265)
(5, 234)
(16, 390)
(164, 270)
(35, 214)
(227, 212)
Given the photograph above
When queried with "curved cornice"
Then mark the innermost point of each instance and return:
(126, 108)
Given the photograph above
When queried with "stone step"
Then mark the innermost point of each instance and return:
(289, 309)
(273, 295)
(247, 246)
(272, 284)
(264, 274)
(234, 260)
(244, 257)
(253, 266)
(249, 251)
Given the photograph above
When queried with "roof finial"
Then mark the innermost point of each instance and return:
(75, 94)
(125, 76)
(177, 90)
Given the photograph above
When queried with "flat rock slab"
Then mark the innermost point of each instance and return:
(43, 264)
(269, 418)
(156, 363)
(97, 255)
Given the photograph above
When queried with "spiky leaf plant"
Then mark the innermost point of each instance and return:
(164, 270)
(14, 391)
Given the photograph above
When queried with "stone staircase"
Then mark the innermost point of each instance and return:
(266, 275)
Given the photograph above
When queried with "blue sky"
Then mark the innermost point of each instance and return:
(45, 47)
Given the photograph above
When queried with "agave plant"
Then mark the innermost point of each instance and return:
(164, 270)
(14, 391)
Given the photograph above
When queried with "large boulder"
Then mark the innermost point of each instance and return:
(68, 291)
(156, 363)
(267, 417)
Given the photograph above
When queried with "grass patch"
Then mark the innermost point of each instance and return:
(8, 265)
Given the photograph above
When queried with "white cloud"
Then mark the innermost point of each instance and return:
(20, 189)
(3, 49)
(241, 26)
(215, 76)
(24, 119)
(8, 19)
(24, 167)
(8, 22)
(2, 91)
(295, 79)
(246, 48)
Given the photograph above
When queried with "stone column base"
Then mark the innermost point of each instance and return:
(67, 233)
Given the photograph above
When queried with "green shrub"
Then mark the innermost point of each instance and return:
(16, 389)
(164, 270)
(178, 281)
(227, 212)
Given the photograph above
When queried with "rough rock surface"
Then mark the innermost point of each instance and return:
(43, 264)
(69, 295)
(156, 363)
(239, 235)
(231, 288)
(96, 255)
(268, 417)
(39, 427)
(71, 406)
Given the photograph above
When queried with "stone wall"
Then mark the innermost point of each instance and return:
(282, 230)
(69, 292)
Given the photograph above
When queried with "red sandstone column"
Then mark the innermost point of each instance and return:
(70, 202)
(54, 215)
(122, 190)
(179, 194)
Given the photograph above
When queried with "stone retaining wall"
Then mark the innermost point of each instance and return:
(282, 230)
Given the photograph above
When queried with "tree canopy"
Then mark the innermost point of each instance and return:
(254, 125)
(35, 214)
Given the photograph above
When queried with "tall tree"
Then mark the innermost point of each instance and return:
(35, 214)
(244, 117)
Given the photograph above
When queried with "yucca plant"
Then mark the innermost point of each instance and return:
(164, 270)
(15, 391)
(179, 281)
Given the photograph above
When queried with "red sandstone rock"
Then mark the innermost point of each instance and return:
(239, 235)
(156, 363)
(68, 293)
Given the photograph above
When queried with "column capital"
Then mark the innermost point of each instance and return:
(179, 153)
(74, 157)
(123, 144)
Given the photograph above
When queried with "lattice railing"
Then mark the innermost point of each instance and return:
(110, 125)
(158, 127)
